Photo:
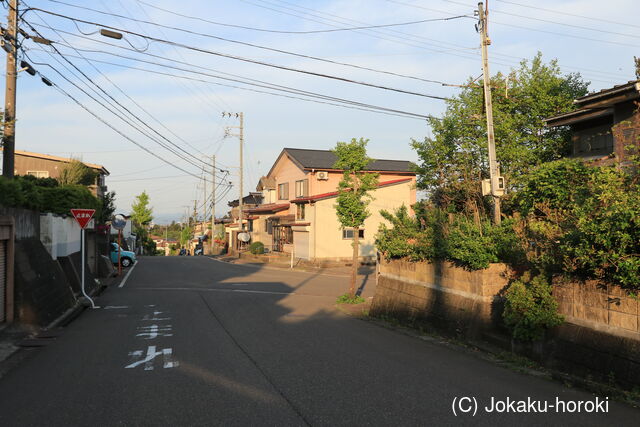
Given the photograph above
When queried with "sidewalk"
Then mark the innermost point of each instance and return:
(299, 265)
(14, 336)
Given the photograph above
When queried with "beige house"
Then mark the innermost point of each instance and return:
(299, 194)
(47, 166)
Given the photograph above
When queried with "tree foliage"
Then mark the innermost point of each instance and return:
(45, 195)
(354, 188)
(583, 220)
(454, 160)
(141, 212)
(354, 193)
(77, 173)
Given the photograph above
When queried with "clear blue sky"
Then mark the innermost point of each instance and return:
(599, 43)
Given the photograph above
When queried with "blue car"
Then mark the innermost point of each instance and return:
(126, 257)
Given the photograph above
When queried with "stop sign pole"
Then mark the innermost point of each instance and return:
(83, 216)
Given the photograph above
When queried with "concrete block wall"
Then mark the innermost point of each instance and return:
(600, 336)
(59, 235)
(441, 293)
(599, 306)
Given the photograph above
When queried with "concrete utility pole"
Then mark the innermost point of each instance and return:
(213, 198)
(241, 137)
(493, 168)
(204, 198)
(9, 137)
(240, 203)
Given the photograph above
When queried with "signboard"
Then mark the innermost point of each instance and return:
(83, 216)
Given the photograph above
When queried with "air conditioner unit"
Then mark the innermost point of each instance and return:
(322, 175)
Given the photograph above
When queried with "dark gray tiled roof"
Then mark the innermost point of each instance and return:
(325, 159)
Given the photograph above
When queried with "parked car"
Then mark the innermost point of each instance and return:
(126, 257)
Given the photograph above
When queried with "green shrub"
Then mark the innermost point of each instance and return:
(589, 227)
(41, 194)
(256, 248)
(530, 309)
(348, 299)
(462, 241)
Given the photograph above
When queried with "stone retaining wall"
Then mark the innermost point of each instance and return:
(600, 336)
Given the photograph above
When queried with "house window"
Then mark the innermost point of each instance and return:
(283, 191)
(302, 188)
(300, 214)
(39, 174)
(250, 225)
(268, 225)
(347, 233)
(287, 234)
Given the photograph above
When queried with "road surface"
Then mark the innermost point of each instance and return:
(195, 341)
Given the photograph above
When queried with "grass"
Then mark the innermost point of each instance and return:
(348, 299)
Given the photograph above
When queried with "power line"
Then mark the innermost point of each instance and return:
(518, 58)
(243, 59)
(269, 30)
(252, 82)
(523, 27)
(570, 14)
(125, 108)
(67, 94)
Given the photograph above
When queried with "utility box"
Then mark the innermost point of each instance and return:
(486, 187)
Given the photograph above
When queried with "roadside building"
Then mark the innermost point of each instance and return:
(299, 195)
(47, 166)
(604, 124)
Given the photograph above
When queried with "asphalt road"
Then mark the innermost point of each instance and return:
(194, 341)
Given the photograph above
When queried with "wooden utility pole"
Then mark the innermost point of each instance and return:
(493, 168)
(9, 131)
(213, 198)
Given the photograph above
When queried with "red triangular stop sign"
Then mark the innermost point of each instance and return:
(83, 216)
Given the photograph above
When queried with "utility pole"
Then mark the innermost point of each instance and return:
(204, 199)
(493, 168)
(240, 203)
(213, 198)
(241, 138)
(9, 132)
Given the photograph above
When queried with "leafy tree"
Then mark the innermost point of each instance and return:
(141, 212)
(454, 160)
(353, 193)
(185, 236)
(77, 173)
(142, 215)
(108, 207)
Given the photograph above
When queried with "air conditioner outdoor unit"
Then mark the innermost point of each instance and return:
(323, 176)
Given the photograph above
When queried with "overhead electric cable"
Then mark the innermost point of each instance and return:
(67, 94)
(243, 59)
(164, 145)
(264, 29)
(570, 14)
(344, 102)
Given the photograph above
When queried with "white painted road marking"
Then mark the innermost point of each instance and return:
(151, 355)
(155, 318)
(127, 275)
(115, 307)
(154, 331)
